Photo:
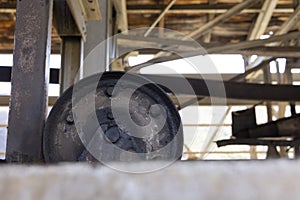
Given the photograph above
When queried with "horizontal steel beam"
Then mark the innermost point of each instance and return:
(283, 52)
(276, 52)
(188, 47)
(227, 89)
(5, 75)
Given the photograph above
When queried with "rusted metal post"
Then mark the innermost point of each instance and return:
(28, 105)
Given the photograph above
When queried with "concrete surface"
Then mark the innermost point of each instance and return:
(183, 181)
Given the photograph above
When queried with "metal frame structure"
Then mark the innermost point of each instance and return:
(79, 39)
(31, 59)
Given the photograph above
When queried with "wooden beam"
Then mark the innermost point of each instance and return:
(205, 11)
(262, 22)
(221, 18)
(7, 10)
(200, 9)
(290, 23)
(121, 9)
(163, 13)
(207, 37)
(161, 26)
(285, 28)
(263, 19)
(181, 9)
(8, 7)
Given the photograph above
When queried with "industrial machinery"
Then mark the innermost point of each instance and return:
(284, 132)
(83, 124)
(91, 108)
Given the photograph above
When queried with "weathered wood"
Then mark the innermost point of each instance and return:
(163, 13)
(200, 9)
(63, 20)
(221, 18)
(292, 21)
(122, 20)
(263, 19)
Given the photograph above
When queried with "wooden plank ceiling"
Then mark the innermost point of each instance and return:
(184, 16)
(7, 27)
(188, 15)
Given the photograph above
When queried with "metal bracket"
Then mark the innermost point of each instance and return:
(82, 11)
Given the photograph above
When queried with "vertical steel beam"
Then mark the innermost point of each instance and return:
(272, 151)
(71, 60)
(97, 54)
(28, 104)
(268, 80)
(290, 80)
(71, 47)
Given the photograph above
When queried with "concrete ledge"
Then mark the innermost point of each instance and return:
(183, 180)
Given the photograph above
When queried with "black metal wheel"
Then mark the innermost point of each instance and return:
(148, 104)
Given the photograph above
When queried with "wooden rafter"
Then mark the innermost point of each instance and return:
(201, 9)
(163, 13)
(221, 18)
(263, 19)
(122, 21)
(290, 23)
(285, 28)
